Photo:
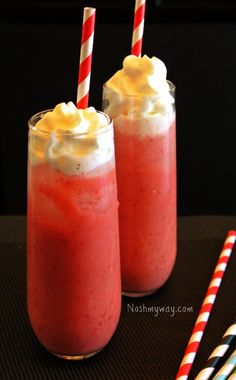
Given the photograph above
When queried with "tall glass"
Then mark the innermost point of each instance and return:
(73, 263)
(145, 148)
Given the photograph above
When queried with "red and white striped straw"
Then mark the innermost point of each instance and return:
(86, 57)
(137, 39)
(206, 307)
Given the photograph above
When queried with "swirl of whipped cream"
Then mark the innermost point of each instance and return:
(140, 92)
(74, 141)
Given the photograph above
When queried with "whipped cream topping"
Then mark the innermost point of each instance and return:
(72, 140)
(140, 92)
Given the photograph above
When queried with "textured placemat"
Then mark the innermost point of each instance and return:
(148, 344)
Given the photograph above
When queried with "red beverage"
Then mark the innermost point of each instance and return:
(73, 268)
(140, 101)
(147, 214)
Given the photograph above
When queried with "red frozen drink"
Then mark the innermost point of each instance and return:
(73, 263)
(141, 102)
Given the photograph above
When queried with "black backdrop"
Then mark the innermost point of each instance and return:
(40, 44)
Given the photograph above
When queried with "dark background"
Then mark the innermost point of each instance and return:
(40, 43)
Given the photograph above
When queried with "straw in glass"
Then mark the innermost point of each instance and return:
(86, 57)
(137, 38)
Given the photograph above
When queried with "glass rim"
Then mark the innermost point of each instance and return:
(32, 121)
(171, 91)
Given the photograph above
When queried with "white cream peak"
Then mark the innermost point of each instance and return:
(67, 118)
(140, 76)
(74, 141)
(140, 93)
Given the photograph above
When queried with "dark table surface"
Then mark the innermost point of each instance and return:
(149, 343)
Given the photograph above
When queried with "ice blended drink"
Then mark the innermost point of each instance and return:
(140, 101)
(73, 263)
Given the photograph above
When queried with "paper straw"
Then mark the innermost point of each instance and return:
(227, 368)
(215, 358)
(137, 39)
(86, 57)
(206, 307)
(233, 376)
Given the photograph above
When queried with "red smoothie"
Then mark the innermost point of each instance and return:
(141, 102)
(146, 179)
(73, 259)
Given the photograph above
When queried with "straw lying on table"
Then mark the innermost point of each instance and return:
(206, 308)
(218, 354)
(233, 376)
(137, 38)
(86, 57)
(227, 368)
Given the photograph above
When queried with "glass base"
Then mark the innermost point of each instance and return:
(138, 294)
(75, 357)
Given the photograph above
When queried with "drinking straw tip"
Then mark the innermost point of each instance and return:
(138, 26)
(91, 8)
(86, 57)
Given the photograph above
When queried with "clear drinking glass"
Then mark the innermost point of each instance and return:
(145, 150)
(73, 263)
